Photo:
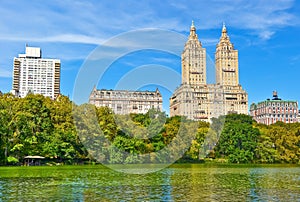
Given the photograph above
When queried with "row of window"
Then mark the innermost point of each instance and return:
(120, 106)
(278, 115)
(278, 110)
(293, 104)
(273, 120)
(127, 97)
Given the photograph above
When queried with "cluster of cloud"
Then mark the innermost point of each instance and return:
(89, 22)
(94, 22)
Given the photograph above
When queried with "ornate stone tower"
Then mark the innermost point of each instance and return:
(197, 100)
(193, 60)
(226, 58)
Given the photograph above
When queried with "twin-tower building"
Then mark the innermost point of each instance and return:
(198, 100)
(194, 98)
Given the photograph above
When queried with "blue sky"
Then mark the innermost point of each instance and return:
(266, 33)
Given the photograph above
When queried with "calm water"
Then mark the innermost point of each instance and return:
(181, 182)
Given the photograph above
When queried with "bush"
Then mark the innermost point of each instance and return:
(12, 160)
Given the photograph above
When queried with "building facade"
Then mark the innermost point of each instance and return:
(193, 60)
(272, 110)
(34, 74)
(126, 102)
(196, 99)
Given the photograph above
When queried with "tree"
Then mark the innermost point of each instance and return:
(33, 125)
(197, 150)
(106, 119)
(265, 150)
(7, 102)
(238, 139)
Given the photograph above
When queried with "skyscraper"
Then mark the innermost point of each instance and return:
(34, 74)
(196, 99)
(226, 58)
(193, 60)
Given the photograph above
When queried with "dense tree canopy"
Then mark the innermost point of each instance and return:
(64, 132)
(238, 139)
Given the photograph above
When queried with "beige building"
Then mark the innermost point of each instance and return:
(196, 99)
(193, 60)
(272, 110)
(35, 74)
(126, 102)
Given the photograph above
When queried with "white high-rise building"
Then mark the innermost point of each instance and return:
(34, 74)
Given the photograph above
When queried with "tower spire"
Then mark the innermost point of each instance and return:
(193, 30)
(224, 30)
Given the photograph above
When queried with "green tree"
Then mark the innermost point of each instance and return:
(238, 139)
(106, 119)
(7, 102)
(33, 124)
(197, 149)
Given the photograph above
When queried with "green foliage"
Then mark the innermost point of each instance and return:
(12, 160)
(199, 146)
(238, 139)
(107, 122)
(36, 125)
(279, 143)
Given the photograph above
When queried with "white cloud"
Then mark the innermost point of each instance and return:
(71, 38)
(95, 23)
(5, 73)
(209, 42)
(90, 22)
(265, 35)
(263, 18)
(63, 38)
(295, 59)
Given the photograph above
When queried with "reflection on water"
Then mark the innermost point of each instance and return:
(180, 182)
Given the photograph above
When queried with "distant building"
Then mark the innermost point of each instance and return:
(272, 110)
(126, 102)
(298, 116)
(196, 99)
(34, 74)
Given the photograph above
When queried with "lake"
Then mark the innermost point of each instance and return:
(179, 182)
